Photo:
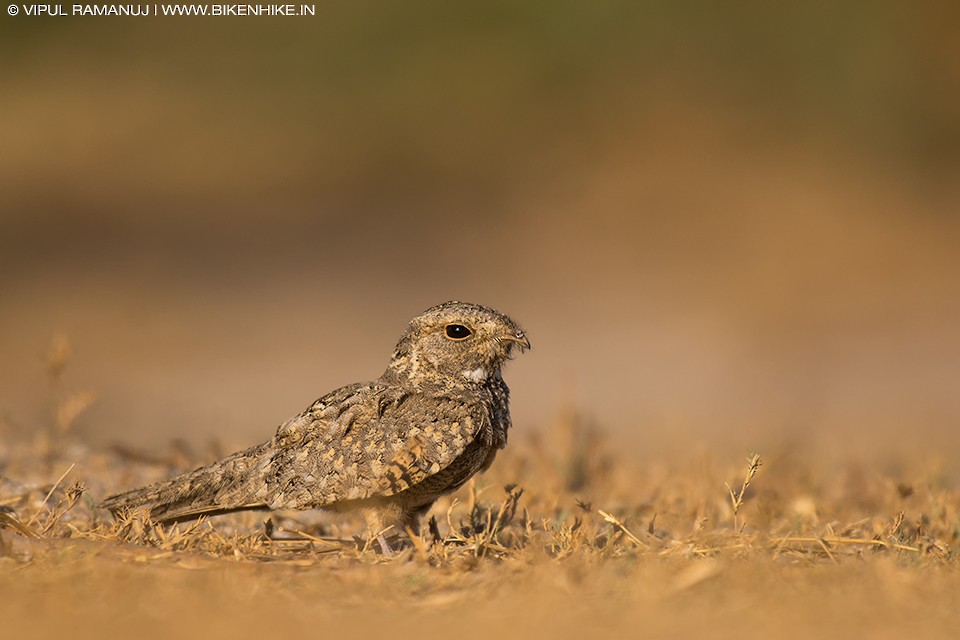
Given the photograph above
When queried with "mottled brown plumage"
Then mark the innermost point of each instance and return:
(437, 416)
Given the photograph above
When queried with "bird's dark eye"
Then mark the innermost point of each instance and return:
(458, 332)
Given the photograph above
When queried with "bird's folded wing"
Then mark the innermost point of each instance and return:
(408, 467)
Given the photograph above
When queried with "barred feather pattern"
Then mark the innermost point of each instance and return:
(437, 416)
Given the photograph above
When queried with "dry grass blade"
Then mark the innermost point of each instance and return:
(841, 541)
(72, 408)
(736, 499)
(9, 519)
(617, 523)
(58, 355)
(303, 535)
(50, 493)
(73, 494)
(418, 544)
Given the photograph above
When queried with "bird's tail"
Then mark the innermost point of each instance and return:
(230, 484)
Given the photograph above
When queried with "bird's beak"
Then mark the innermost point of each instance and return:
(519, 338)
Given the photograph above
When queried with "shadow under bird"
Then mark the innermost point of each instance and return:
(389, 448)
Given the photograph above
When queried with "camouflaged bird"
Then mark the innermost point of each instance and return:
(391, 447)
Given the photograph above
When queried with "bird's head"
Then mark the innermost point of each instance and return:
(457, 342)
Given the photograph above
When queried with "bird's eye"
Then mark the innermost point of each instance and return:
(458, 332)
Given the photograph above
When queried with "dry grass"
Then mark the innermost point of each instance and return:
(562, 537)
(587, 540)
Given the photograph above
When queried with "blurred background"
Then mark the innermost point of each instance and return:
(732, 224)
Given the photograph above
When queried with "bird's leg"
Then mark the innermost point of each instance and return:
(385, 546)
(378, 525)
(410, 520)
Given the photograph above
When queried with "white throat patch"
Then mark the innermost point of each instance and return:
(476, 375)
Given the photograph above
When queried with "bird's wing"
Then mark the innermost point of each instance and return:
(429, 440)
(369, 440)
(226, 485)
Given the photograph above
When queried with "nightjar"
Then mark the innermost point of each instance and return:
(438, 415)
